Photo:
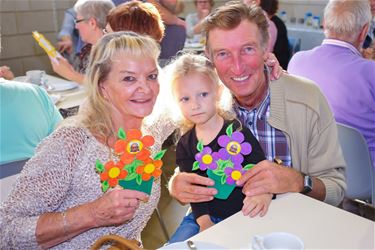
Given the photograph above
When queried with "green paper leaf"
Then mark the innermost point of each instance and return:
(195, 165)
(219, 172)
(229, 130)
(248, 166)
(131, 176)
(200, 146)
(138, 179)
(121, 134)
(99, 166)
(160, 154)
(223, 179)
(105, 186)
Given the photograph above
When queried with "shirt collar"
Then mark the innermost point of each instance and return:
(342, 44)
(263, 107)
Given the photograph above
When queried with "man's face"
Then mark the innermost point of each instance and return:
(239, 60)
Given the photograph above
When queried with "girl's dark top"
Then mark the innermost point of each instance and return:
(185, 157)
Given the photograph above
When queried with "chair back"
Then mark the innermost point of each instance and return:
(8, 175)
(116, 243)
(294, 45)
(359, 171)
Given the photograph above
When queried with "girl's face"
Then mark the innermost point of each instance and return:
(197, 97)
(131, 87)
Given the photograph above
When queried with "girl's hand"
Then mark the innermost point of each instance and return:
(254, 205)
(116, 207)
(204, 222)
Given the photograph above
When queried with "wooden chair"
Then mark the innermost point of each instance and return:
(116, 243)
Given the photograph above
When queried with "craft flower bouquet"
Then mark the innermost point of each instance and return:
(135, 168)
(225, 166)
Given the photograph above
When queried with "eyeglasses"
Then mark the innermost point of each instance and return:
(79, 20)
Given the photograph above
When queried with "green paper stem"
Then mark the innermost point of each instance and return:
(160, 154)
(229, 130)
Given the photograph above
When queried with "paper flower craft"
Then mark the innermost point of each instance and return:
(225, 166)
(135, 169)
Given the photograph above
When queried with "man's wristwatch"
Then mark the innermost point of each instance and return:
(307, 184)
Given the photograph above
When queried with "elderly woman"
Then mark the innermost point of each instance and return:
(142, 18)
(194, 20)
(57, 201)
(90, 22)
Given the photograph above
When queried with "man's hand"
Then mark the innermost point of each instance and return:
(272, 62)
(268, 177)
(190, 187)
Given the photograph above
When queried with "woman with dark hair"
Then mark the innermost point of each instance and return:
(281, 48)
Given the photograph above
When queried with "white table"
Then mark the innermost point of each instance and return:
(67, 98)
(319, 225)
(309, 36)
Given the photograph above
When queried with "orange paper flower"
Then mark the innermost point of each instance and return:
(113, 173)
(149, 169)
(134, 146)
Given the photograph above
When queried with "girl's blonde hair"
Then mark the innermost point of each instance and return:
(187, 64)
(96, 115)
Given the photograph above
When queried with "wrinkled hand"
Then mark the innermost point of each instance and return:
(276, 70)
(66, 44)
(116, 207)
(255, 205)
(268, 177)
(6, 73)
(187, 188)
(62, 67)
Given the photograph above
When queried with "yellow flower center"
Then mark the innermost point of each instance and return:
(149, 168)
(207, 159)
(134, 147)
(236, 175)
(114, 172)
(233, 148)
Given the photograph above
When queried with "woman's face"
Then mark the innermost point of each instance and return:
(131, 86)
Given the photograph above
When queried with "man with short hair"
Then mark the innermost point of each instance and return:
(346, 79)
(290, 117)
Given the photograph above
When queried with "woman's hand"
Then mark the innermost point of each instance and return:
(6, 73)
(62, 67)
(116, 207)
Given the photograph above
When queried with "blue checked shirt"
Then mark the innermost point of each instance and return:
(272, 140)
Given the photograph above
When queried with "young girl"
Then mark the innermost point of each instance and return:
(197, 90)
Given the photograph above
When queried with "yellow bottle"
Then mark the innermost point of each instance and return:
(46, 45)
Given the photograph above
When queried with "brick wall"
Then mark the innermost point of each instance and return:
(18, 18)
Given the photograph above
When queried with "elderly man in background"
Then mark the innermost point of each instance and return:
(344, 76)
(290, 117)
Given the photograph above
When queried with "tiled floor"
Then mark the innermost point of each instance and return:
(170, 210)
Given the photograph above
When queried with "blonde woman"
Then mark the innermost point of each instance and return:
(57, 201)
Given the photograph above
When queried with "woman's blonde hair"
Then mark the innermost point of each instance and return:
(187, 64)
(96, 115)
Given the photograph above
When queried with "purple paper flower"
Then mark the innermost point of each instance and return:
(233, 147)
(233, 174)
(207, 159)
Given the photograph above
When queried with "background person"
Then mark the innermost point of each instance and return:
(57, 201)
(338, 67)
(28, 115)
(194, 20)
(290, 117)
(6, 73)
(90, 22)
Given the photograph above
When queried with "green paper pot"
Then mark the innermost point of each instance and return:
(145, 186)
(223, 190)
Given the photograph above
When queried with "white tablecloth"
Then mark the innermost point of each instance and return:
(309, 36)
(319, 225)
